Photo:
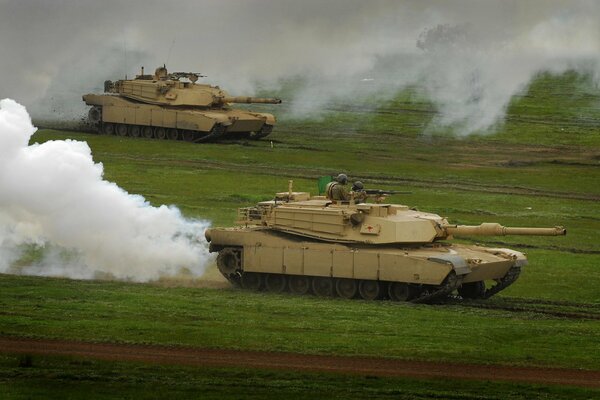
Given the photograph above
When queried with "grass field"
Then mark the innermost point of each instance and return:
(540, 168)
(65, 378)
(229, 318)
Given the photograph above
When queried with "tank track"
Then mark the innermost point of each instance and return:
(451, 283)
(511, 276)
(264, 132)
(229, 262)
(217, 132)
(138, 131)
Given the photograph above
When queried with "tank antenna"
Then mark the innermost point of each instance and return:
(170, 48)
(125, 51)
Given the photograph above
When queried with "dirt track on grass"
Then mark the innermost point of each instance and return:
(366, 366)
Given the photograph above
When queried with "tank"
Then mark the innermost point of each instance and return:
(303, 244)
(173, 106)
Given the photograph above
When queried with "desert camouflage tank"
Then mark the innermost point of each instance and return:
(173, 106)
(300, 244)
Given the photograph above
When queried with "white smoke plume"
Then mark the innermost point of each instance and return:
(53, 199)
(469, 57)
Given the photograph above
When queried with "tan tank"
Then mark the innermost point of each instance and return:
(173, 106)
(300, 244)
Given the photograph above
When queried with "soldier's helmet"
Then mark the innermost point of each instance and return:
(357, 186)
(160, 73)
(342, 178)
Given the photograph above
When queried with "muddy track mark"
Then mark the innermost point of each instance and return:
(553, 309)
(366, 366)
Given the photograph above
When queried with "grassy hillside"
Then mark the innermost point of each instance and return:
(540, 168)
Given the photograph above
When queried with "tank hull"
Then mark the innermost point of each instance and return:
(418, 269)
(119, 115)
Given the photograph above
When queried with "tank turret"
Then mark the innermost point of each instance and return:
(174, 106)
(165, 88)
(300, 243)
(367, 223)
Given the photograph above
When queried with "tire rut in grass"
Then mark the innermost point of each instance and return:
(548, 308)
(364, 366)
(308, 173)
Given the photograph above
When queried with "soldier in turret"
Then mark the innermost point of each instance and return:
(359, 193)
(337, 190)
(161, 74)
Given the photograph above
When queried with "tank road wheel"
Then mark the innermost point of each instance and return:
(472, 290)
(160, 133)
(148, 132)
(229, 262)
(275, 283)
(399, 291)
(299, 284)
(108, 129)
(322, 287)
(172, 134)
(95, 115)
(135, 131)
(346, 288)
(121, 130)
(189, 136)
(370, 290)
(252, 281)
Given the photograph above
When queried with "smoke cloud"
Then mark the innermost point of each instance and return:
(468, 57)
(56, 209)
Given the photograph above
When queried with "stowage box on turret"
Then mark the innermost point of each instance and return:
(368, 250)
(164, 106)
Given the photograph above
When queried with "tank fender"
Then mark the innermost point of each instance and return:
(92, 99)
(520, 259)
(269, 118)
(219, 118)
(458, 263)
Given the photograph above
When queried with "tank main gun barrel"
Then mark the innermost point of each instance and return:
(383, 192)
(243, 99)
(494, 229)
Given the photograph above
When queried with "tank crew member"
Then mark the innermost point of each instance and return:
(336, 189)
(161, 74)
(360, 196)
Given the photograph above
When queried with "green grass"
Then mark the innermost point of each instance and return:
(66, 378)
(539, 168)
(229, 318)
